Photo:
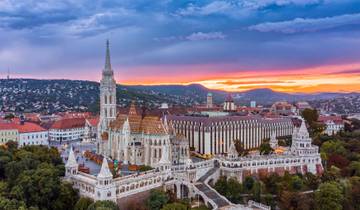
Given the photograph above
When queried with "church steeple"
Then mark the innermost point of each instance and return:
(107, 71)
(107, 97)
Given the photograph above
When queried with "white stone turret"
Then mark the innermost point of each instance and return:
(164, 163)
(71, 166)
(233, 154)
(105, 188)
(126, 138)
(273, 141)
(301, 142)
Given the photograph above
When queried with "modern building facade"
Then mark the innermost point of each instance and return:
(213, 135)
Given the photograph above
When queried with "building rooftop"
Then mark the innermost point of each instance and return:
(139, 123)
(68, 123)
(26, 127)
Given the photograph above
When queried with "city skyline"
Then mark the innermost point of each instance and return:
(288, 46)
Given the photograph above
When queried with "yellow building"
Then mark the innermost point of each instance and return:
(8, 132)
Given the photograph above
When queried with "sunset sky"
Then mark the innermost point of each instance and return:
(235, 45)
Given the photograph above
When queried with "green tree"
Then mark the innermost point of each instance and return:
(83, 203)
(248, 183)
(265, 148)
(329, 196)
(11, 145)
(333, 147)
(296, 183)
(103, 205)
(31, 178)
(7, 204)
(174, 206)
(354, 168)
(221, 185)
(234, 190)
(272, 183)
(355, 192)
(311, 181)
(310, 115)
(67, 197)
(332, 174)
(156, 199)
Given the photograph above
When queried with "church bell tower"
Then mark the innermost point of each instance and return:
(107, 98)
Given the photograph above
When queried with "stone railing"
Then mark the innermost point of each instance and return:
(261, 206)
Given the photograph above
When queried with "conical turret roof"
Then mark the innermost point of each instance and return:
(71, 162)
(105, 171)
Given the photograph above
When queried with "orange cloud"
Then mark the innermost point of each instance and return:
(336, 78)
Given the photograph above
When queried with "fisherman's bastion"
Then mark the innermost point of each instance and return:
(161, 143)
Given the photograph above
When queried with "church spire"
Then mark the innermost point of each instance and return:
(107, 69)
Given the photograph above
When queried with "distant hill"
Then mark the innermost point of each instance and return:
(60, 95)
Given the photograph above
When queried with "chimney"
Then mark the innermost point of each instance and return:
(22, 120)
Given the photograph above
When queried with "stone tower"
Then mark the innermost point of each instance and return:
(105, 187)
(209, 100)
(71, 166)
(107, 99)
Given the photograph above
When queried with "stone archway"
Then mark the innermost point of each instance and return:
(199, 200)
(184, 191)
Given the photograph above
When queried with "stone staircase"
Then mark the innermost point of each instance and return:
(209, 192)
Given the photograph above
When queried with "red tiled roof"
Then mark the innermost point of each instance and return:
(93, 121)
(27, 127)
(7, 125)
(335, 119)
(68, 123)
(75, 114)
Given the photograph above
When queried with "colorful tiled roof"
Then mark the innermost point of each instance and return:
(139, 124)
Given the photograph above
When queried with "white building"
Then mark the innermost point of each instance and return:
(213, 134)
(24, 133)
(333, 124)
(229, 104)
(252, 104)
(68, 129)
(8, 132)
(32, 134)
(209, 100)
